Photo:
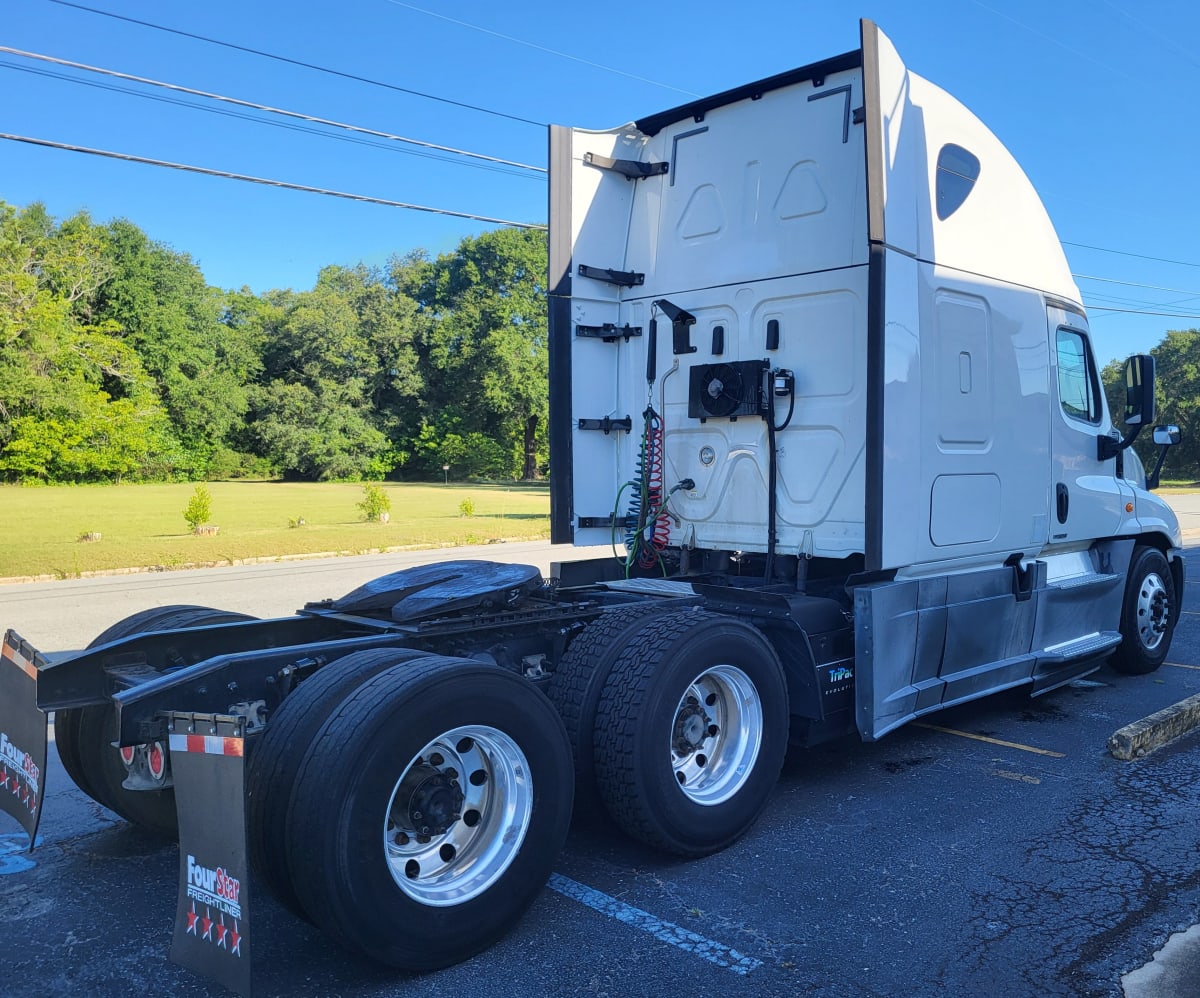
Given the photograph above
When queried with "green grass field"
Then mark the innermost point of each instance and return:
(142, 526)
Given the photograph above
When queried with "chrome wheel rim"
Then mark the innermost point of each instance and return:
(458, 815)
(716, 735)
(1153, 611)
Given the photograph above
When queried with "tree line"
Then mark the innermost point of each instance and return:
(119, 362)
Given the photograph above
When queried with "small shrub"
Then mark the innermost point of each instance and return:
(295, 522)
(375, 503)
(199, 507)
(466, 507)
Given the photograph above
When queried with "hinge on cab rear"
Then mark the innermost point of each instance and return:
(606, 521)
(607, 424)
(609, 331)
(623, 278)
(631, 169)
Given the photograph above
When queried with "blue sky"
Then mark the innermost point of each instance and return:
(1097, 100)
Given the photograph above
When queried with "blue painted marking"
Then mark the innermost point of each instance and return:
(12, 846)
(668, 932)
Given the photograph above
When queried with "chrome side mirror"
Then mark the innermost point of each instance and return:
(1166, 436)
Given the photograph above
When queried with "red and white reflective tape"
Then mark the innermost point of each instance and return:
(20, 661)
(208, 744)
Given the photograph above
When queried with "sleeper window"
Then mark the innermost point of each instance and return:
(957, 171)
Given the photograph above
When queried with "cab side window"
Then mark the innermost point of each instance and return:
(1078, 390)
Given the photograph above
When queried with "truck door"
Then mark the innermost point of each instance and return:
(1087, 498)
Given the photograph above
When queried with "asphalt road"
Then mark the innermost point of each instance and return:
(1002, 852)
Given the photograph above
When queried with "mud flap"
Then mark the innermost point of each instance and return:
(212, 919)
(22, 736)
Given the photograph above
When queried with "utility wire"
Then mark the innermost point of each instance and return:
(262, 180)
(237, 102)
(289, 126)
(542, 48)
(298, 62)
(1138, 311)
(1135, 284)
(1105, 249)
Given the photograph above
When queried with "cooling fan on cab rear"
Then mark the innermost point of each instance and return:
(717, 391)
(720, 390)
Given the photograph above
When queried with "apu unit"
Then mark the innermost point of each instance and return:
(726, 391)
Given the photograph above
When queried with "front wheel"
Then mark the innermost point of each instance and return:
(1148, 614)
(429, 811)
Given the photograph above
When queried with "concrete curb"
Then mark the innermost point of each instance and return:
(270, 559)
(1153, 732)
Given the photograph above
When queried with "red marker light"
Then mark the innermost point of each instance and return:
(156, 758)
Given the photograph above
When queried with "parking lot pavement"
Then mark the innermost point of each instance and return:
(998, 849)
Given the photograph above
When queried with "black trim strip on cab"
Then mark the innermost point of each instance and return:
(558, 301)
(876, 302)
(697, 109)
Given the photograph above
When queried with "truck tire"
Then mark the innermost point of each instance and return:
(1148, 613)
(691, 732)
(579, 680)
(84, 735)
(272, 767)
(429, 811)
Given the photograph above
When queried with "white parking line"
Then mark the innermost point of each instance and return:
(668, 932)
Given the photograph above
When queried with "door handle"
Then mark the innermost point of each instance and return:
(1063, 497)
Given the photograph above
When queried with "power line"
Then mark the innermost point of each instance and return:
(237, 102)
(1135, 284)
(1100, 249)
(543, 48)
(127, 157)
(242, 116)
(298, 62)
(1138, 311)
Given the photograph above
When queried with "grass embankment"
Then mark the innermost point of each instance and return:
(142, 526)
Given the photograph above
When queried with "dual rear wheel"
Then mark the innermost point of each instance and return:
(683, 724)
(411, 808)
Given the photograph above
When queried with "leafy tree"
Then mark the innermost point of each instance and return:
(75, 402)
(1177, 378)
(198, 511)
(487, 347)
(172, 318)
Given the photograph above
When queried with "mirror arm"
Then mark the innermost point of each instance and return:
(1107, 447)
(1152, 478)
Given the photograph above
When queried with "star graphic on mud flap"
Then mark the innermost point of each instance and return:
(206, 925)
(192, 917)
(235, 940)
(4, 782)
(222, 932)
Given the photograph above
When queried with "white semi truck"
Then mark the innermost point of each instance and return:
(821, 380)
